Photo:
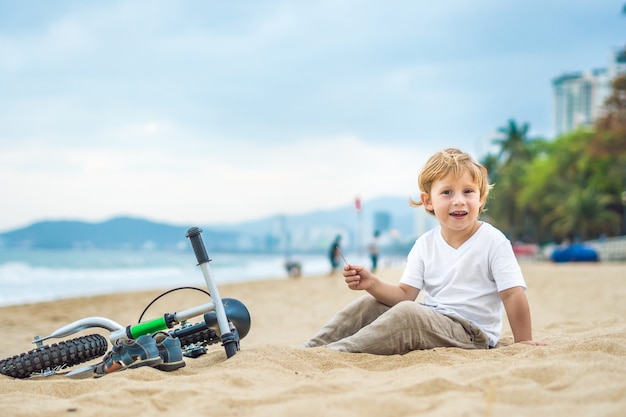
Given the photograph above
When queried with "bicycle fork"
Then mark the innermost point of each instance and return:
(230, 340)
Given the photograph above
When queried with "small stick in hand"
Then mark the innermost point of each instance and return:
(342, 257)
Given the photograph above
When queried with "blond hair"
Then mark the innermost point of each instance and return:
(455, 162)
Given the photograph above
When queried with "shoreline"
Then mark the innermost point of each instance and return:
(63, 275)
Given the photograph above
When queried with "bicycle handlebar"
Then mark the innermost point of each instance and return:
(193, 234)
(83, 324)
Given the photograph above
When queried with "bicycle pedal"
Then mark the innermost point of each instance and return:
(193, 351)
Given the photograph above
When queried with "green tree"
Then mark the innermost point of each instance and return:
(567, 189)
(583, 215)
(608, 146)
(513, 142)
(508, 171)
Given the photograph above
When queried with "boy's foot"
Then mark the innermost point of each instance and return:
(130, 354)
(170, 352)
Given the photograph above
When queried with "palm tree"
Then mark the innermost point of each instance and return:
(514, 156)
(583, 214)
(514, 143)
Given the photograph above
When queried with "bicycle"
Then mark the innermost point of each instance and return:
(224, 320)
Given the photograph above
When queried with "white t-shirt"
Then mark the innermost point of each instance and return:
(465, 282)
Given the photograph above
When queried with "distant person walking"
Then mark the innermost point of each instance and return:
(334, 255)
(373, 250)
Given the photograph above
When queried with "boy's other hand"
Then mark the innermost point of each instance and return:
(533, 343)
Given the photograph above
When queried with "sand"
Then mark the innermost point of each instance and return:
(578, 309)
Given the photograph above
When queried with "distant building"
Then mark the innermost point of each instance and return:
(579, 96)
(382, 221)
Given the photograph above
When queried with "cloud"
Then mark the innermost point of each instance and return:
(139, 107)
(201, 182)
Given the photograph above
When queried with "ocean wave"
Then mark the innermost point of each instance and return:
(22, 282)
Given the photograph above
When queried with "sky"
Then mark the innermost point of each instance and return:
(209, 112)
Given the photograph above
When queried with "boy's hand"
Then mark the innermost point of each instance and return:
(357, 277)
(533, 343)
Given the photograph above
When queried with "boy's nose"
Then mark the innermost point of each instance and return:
(458, 200)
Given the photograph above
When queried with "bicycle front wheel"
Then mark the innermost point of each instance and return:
(56, 356)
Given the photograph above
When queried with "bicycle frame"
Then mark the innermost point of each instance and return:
(118, 331)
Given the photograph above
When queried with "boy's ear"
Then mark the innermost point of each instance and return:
(483, 201)
(426, 201)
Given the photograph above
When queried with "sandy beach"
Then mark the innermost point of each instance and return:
(578, 309)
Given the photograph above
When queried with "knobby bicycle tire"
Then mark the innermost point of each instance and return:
(56, 356)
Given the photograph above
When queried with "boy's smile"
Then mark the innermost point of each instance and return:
(458, 214)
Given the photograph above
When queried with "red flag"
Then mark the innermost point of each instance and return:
(357, 204)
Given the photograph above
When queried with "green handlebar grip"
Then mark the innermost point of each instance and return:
(148, 327)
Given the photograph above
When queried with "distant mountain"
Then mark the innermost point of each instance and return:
(401, 214)
(117, 233)
(304, 232)
(313, 231)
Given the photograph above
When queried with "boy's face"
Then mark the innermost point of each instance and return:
(456, 201)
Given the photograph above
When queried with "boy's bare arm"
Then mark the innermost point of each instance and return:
(518, 313)
(360, 278)
(392, 294)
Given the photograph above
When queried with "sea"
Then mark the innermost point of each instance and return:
(30, 276)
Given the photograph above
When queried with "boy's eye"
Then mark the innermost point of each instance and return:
(469, 190)
(446, 192)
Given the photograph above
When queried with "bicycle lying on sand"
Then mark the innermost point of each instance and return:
(224, 320)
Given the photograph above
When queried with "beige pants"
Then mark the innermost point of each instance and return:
(368, 326)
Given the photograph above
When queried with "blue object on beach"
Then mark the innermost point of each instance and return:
(577, 252)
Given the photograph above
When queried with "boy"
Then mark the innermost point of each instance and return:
(466, 267)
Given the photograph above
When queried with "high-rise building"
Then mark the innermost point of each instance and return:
(579, 96)
(577, 99)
